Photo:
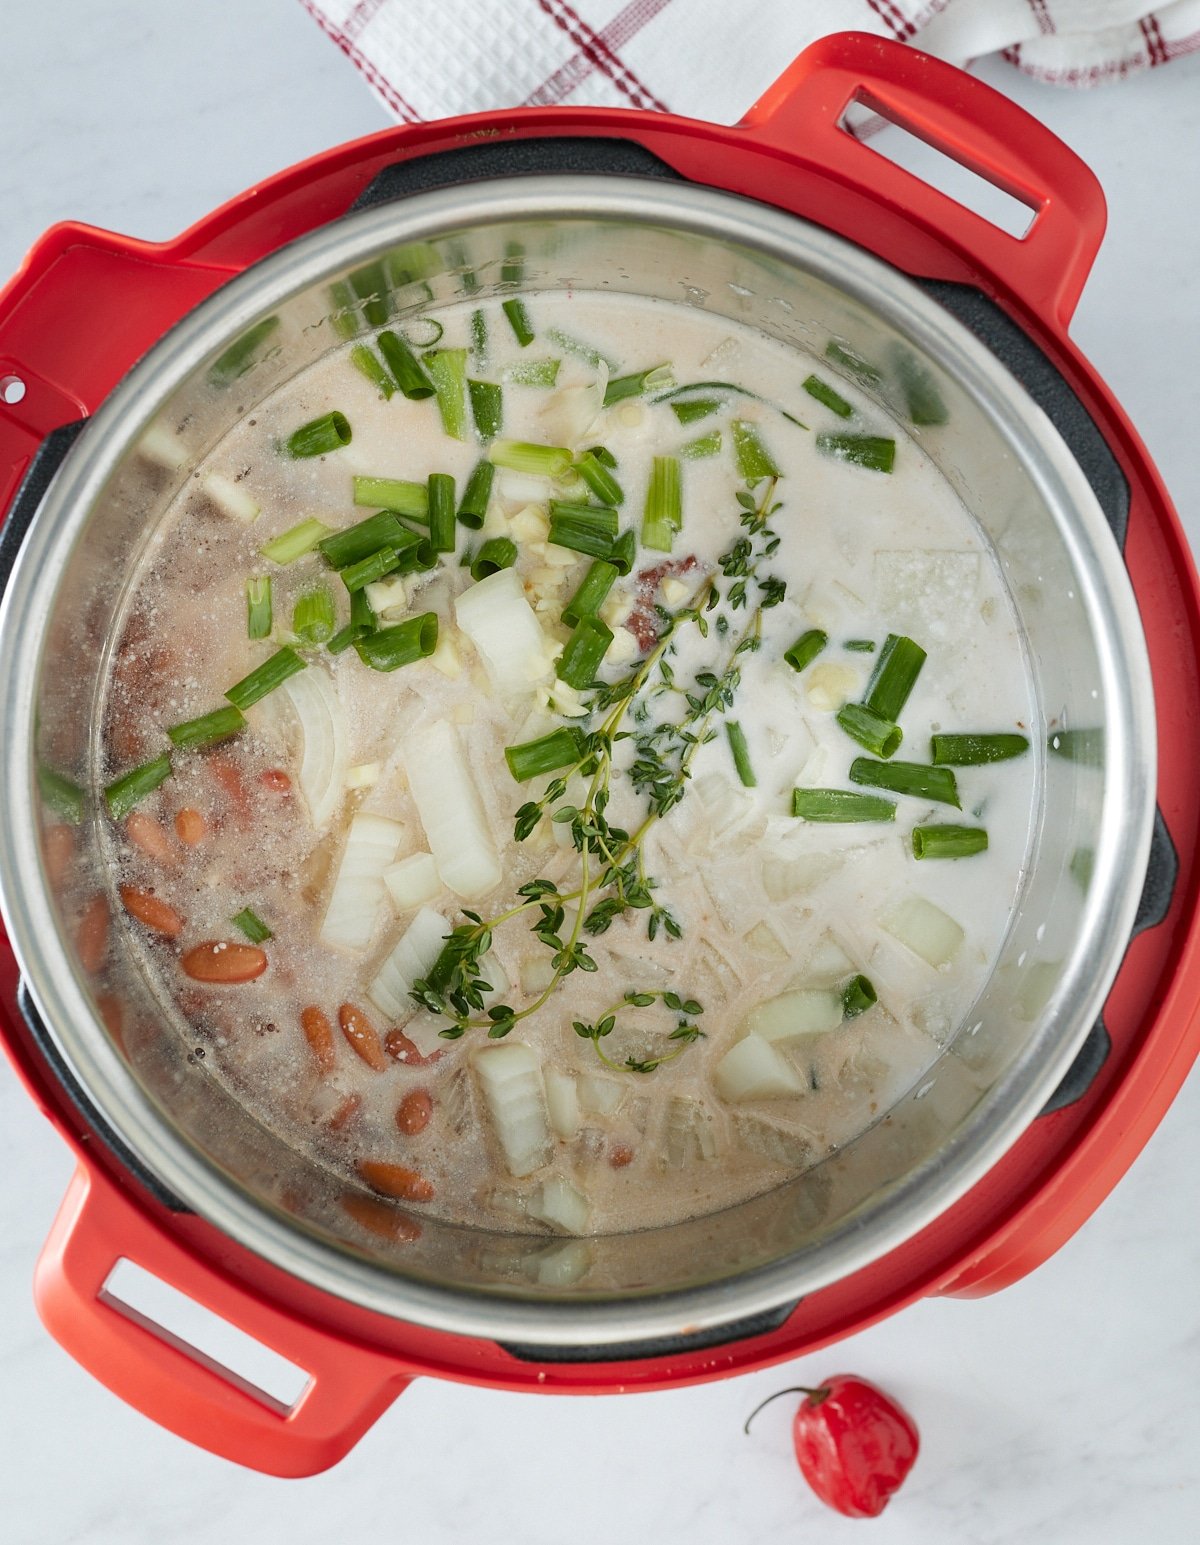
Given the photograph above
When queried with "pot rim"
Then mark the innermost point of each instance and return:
(1009, 1106)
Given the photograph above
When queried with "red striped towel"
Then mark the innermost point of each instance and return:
(712, 58)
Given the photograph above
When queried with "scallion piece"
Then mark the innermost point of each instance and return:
(265, 678)
(583, 652)
(858, 995)
(343, 310)
(497, 553)
(366, 363)
(806, 649)
(65, 798)
(320, 436)
(876, 734)
(389, 648)
(582, 536)
(741, 753)
(922, 401)
(397, 494)
(487, 408)
(591, 594)
(603, 455)
(860, 645)
(861, 369)
(599, 479)
(408, 371)
(362, 622)
(313, 615)
(895, 675)
(840, 805)
(936, 783)
(948, 841)
(623, 555)
(241, 354)
(636, 385)
(825, 394)
(418, 558)
(533, 372)
(194, 734)
(704, 445)
(875, 452)
(560, 748)
(688, 411)
(441, 512)
(512, 270)
(599, 517)
(259, 614)
(448, 371)
(685, 393)
(132, 787)
(375, 566)
(576, 346)
(248, 922)
(662, 516)
(472, 508)
(479, 338)
(371, 285)
(518, 320)
(524, 456)
(295, 542)
(365, 538)
(753, 459)
(975, 750)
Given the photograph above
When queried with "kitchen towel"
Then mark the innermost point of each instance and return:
(712, 58)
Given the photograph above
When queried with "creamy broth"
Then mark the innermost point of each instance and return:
(770, 909)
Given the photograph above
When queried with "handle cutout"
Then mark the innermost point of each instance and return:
(205, 1337)
(870, 123)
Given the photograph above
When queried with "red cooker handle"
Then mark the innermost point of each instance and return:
(966, 120)
(177, 1386)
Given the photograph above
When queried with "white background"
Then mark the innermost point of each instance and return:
(1062, 1411)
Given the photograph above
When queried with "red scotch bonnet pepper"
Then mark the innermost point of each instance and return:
(854, 1444)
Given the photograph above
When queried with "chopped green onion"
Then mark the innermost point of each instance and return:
(725, 386)
(533, 372)
(582, 537)
(894, 676)
(922, 400)
(441, 512)
(479, 338)
(523, 456)
(497, 553)
(948, 841)
(704, 445)
(1078, 745)
(974, 750)
(472, 509)
(365, 538)
(265, 678)
(249, 923)
(874, 452)
(241, 354)
(841, 805)
(320, 436)
(858, 995)
(560, 748)
(512, 270)
(662, 516)
(410, 375)
(313, 615)
(806, 649)
(603, 455)
(259, 615)
(390, 648)
(842, 355)
(741, 754)
(430, 331)
(624, 552)
(753, 459)
(362, 622)
(518, 320)
(636, 385)
(860, 645)
(878, 735)
(1083, 862)
(417, 559)
(62, 796)
(295, 542)
(400, 495)
(194, 734)
(132, 787)
(577, 347)
(936, 783)
(591, 594)
(583, 652)
(448, 371)
(344, 313)
(695, 408)
(367, 571)
(373, 290)
(365, 362)
(599, 479)
(487, 408)
(817, 388)
(598, 516)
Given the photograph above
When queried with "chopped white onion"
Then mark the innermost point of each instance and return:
(562, 1102)
(807, 1011)
(412, 956)
(772, 1142)
(688, 1135)
(451, 811)
(322, 775)
(829, 687)
(753, 1070)
(561, 1205)
(424, 1030)
(529, 524)
(764, 941)
(571, 412)
(624, 648)
(412, 882)
(357, 896)
(364, 776)
(600, 1096)
(510, 1079)
(924, 929)
(537, 972)
(786, 877)
(500, 622)
(163, 447)
(230, 498)
(828, 962)
(564, 1265)
(388, 597)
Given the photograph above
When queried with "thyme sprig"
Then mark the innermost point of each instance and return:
(684, 1033)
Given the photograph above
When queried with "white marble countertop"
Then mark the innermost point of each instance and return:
(1062, 1410)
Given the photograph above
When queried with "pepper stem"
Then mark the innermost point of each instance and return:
(815, 1395)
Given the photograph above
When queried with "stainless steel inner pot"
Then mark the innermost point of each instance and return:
(797, 283)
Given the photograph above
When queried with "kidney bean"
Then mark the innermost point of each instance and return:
(414, 1111)
(345, 1113)
(146, 833)
(362, 1036)
(91, 936)
(112, 1016)
(379, 1218)
(190, 827)
(223, 961)
(228, 777)
(152, 911)
(407, 1185)
(276, 780)
(318, 1032)
(619, 1155)
(58, 849)
(400, 1049)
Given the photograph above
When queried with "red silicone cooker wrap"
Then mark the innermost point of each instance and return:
(87, 303)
